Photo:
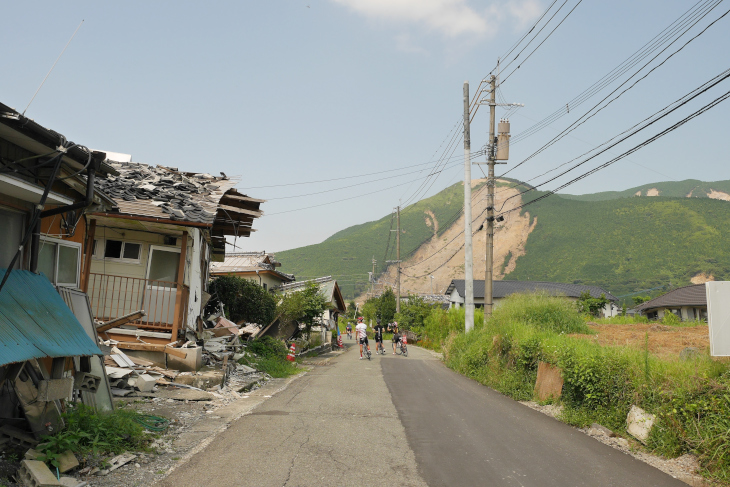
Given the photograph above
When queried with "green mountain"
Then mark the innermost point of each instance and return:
(612, 239)
(676, 189)
(347, 255)
(626, 245)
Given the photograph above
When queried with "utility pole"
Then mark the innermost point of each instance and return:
(468, 252)
(372, 279)
(488, 274)
(397, 256)
(397, 261)
(498, 149)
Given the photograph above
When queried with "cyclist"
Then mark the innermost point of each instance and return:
(378, 336)
(396, 336)
(361, 333)
(349, 330)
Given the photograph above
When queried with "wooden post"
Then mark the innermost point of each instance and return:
(177, 316)
(88, 252)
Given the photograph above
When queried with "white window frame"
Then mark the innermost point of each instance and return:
(149, 263)
(101, 247)
(65, 243)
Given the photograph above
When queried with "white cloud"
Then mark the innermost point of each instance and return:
(451, 18)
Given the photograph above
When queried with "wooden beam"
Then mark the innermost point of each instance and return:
(233, 209)
(120, 321)
(88, 252)
(240, 197)
(147, 347)
(177, 316)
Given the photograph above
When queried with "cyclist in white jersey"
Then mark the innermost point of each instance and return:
(361, 332)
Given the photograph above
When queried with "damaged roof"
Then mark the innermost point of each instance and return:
(165, 193)
(35, 322)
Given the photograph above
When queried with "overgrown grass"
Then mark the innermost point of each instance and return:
(619, 320)
(87, 431)
(268, 355)
(691, 398)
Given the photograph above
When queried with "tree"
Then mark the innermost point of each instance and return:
(640, 299)
(589, 305)
(304, 307)
(242, 300)
(387, 306)
(413, 313)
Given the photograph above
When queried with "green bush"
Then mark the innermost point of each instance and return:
(242, 300)
(268, 347)
(670, 319)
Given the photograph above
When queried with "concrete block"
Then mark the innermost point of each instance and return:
(205, 379)
(144, 383)
(55, 389)
(192, 362)
(67, 461)
(34, 473)
(83, 381)
(639, 423)
(549, 382)
(16, 437)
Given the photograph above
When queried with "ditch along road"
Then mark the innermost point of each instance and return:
(407, 422)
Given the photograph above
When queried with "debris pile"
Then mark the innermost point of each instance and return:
(128, 373)
(182, 196)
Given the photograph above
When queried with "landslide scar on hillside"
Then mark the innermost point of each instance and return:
(446, 263)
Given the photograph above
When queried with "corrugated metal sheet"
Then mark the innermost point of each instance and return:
(35, 322)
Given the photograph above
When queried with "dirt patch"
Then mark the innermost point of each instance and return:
(432, 222)
(652, 192)
(718, 195)
(702, 278)
(664, 341)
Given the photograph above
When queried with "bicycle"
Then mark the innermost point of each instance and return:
(379, 348)
(401, 347)
(366, 351)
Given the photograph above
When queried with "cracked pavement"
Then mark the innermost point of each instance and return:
(336, 425)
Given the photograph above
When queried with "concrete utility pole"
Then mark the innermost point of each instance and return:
(468, 252)
(488, 274)
(372, 279)
(397, 284)
(397, 261)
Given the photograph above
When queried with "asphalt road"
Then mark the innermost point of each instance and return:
(463, 433)
(405, 422)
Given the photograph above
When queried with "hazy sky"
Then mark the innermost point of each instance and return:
(283, 92)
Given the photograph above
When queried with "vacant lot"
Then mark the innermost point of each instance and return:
(664, 341)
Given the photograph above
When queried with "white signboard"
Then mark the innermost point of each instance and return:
(718, 317)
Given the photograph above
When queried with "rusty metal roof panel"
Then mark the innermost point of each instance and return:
(35, 322)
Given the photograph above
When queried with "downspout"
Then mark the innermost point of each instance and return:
(96, 159)
(260, 281)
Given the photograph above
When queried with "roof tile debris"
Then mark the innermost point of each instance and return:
(166, 192)
(249, 262)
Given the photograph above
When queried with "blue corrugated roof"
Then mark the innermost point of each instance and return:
(35, 322)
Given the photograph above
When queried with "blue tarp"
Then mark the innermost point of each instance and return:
(35, 322)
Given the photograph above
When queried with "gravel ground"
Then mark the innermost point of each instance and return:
(683, 468)
(185, 416)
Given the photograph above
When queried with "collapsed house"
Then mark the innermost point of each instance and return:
(48, 342)
(148, 272)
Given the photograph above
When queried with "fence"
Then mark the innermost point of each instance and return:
(115, 296)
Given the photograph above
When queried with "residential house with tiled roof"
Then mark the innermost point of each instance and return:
(152, 251)
(688, 303)
(503, 289)
(259, 267)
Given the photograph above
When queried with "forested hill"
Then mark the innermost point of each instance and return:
(626, 245)
(347, 255)
(623, 241)
(689, 188)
